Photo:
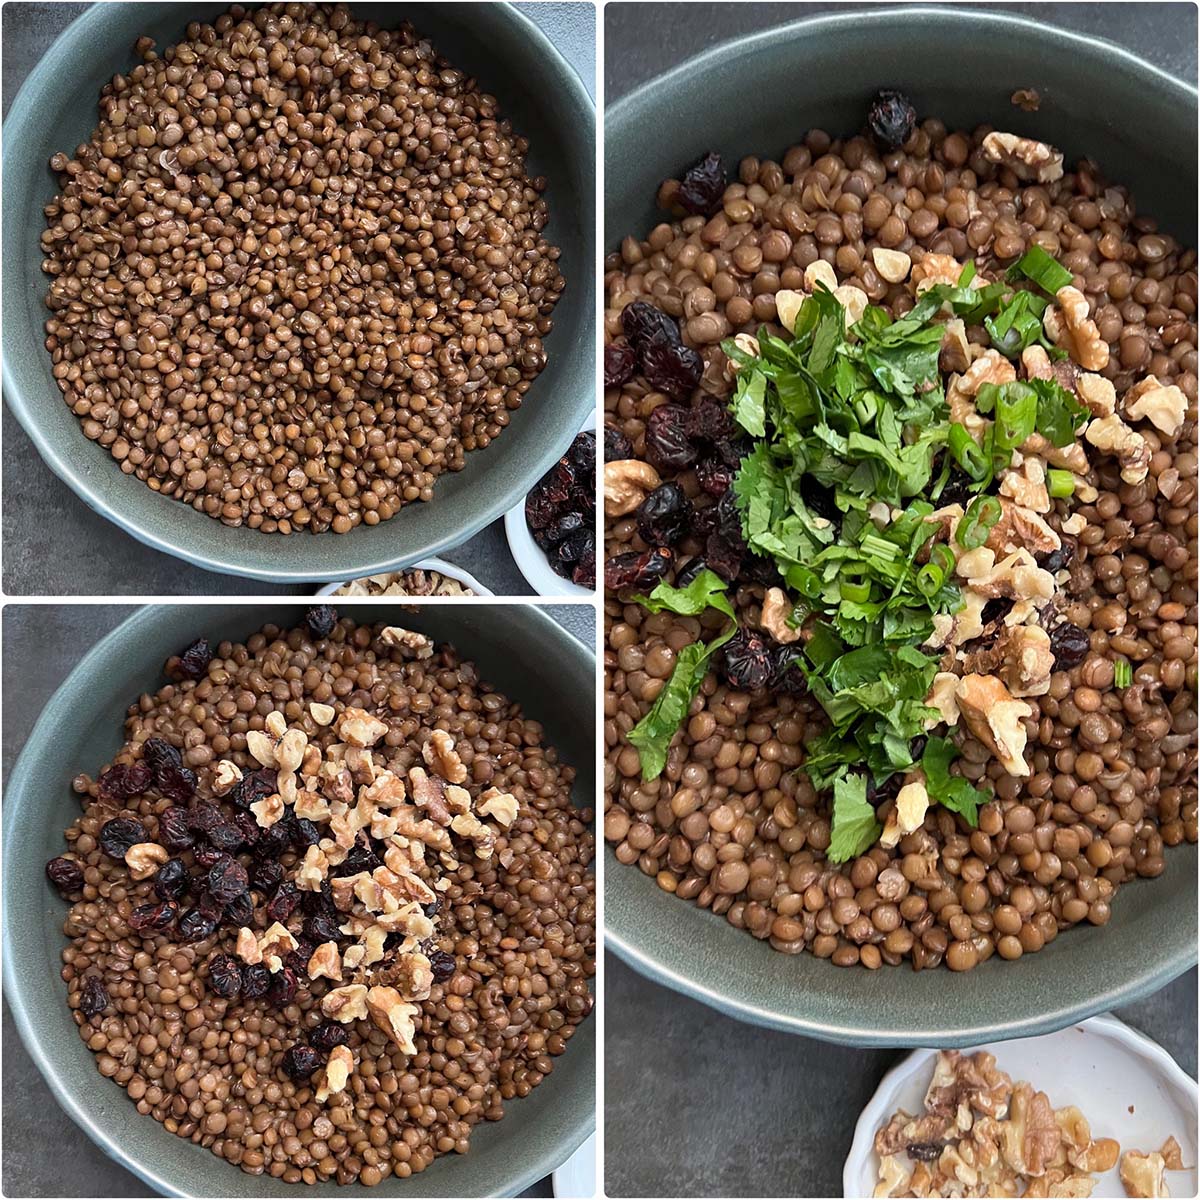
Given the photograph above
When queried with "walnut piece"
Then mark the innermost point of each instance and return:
(788, 304)
(996, 719)
(1029, 160)
(359, 728)
(337, 1072)
(747, 343)
(144, 858)
(990, 367)
(274, 944)
(1163, 405)
(413, 976)
(439, 753)
(820, 272)
(854, 300)
(346, 1004)
(776, 608)
(226, 777)
(323, 714)
(893, 1177)
(1172, 1154)
(289, 753)
(468, 826)
(247, 948)
(934, 269)
(1097, 393)
(500, 806)
(267, 811)
(394, 1016)
(407, 639)
(1069, 325)
(1142, 1174)
(1025, 484)
(892, 265)
(261, 746)
(325, 963)
(310, 806)
(908, 813)
(1112, 436)
(312, 870)
(941, 697)
(1028, 660)
(627, 482)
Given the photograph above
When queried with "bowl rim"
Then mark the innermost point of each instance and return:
(632, 943)
(56, 715)
(21, 112)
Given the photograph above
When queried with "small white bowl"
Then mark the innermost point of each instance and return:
(1127, 1086)
(426, 564)
(531, 558)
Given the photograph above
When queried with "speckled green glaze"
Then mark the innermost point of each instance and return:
(81, 728)
(759, 95)
(547, 102)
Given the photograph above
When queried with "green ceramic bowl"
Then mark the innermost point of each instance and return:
(759, 95)
(81, 727)
(515, 61)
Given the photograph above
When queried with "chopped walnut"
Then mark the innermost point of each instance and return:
(776, 608)
(409, 918)
(956, 351)
(409, 825)
(336, 782)
(361, 765)
(247, 948)
(971, 1079)
(1162, 404)
(1069, 325)
(268, 811)
(990, 367)
(261, 746)
(893, 1176)
(311, 806)
(819, 271)
(787, 308)
(1100, 1155)
(386, 791)
(1036, 363)
(1027, 660)
(276, 724)
(1029, 160)
(429, 794)
(996, 719)
(747, 343)
(312, 870)
(1097, 393)
(357, 727)
(1070, 458)
(627, 482)
(1021, 528)
(440, 755)
(941, 697)
(468, 826)
(407, 639)
(144, 858)
(1031, 1136)
(1016, 576)
(394, 1016)
(1112, 436)
(892, 265)
(854, 300)
(274, 944)
(500, 806)
(325, 963)
(289, 754)
(413, 976)
(371, 944)
(908, 813)
(344, 1004)
(335, 855)
(934, 269)
(1025, 484)
(226, 777)
(1142, 1174)
(323, 714)
(337, 1072)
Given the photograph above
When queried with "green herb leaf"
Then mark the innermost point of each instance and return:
(1039, 266)
(1059, 414)
(707, 590)
(854, 827)
(749, 402)
(950, 791)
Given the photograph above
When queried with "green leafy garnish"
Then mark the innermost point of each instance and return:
(950, 791)
(706, 591)
(854, 828)
(1037, 265)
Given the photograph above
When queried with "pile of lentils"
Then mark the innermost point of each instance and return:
(220, 1052)
(298, 270)
(731, 824)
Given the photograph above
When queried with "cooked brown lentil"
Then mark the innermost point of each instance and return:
(521, 928)
(298, 270)
(731, 824)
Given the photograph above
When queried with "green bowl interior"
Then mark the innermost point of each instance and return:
(759, 95)
(511, 645)
(547, 102)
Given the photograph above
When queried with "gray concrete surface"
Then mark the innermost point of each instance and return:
(53, 543)
(45, 1153)
(698, 1104)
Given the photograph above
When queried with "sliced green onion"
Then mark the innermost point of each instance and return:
(1122, 673)
(930, 579)
(1060, 483)
(941, 555)
(967, 452)
(855, 590)
(880, 548)
(966, 274)
(1039, 266)
(977, 522)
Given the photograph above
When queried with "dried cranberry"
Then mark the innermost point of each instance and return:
(702, 185)
(256, 980)
(273, 842)
(227, 880)
(996, 609)
(758, 569)
(560, 482)
(616, 445)
(749, 662)
(153, 917)
(957, 491)
(725, 552)
(1070, 645)
(566, 524)
(359, 858)
(620, 364)
(672, 368)
(636, 571)
(208, 856)
(225, 975)
(173, 831)
(663, 517)
(709, 420)
(176, 783)
(193, 662)
(267, 876)
(888, 789)
(124, 781)
(644, 324)
(668, 447)
(539, 511)
(66, 874)
(891, 119)
(225, 836)
(584, 573)
(239, 911)
(304, 833)
(732, 451)
(321, 621)
(321, 927)
(248, 829)
(329, 1034)
(583, 450)
(171, 879)
(93, 999)
(283, 988)
(298, 959)
(203, 817)
(117, 835)
(442, 965)
(158, 753)
(299, 1062)
(196, 925)
(432, 908)
(1058, 559)
(285, 902)
(569, 551)
(714, 476)
(254, 786)
(210, 906)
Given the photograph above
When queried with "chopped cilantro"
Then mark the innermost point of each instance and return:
(853, 828)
